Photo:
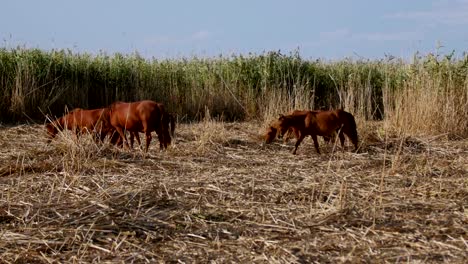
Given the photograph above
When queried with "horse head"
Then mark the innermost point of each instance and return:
(282, 125)
(270, 134)
(52, 131)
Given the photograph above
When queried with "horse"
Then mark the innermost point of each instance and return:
(142, 116)
(315, 123)
(80, 121)
(292, 131)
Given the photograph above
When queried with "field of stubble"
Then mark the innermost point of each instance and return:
(219, 195)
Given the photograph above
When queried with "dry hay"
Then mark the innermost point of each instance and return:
(220, 195)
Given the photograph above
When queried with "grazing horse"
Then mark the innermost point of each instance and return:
(316, 123)
(81, 121)
(143, 116)
(292, 131)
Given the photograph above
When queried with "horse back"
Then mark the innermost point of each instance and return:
(136, 115)
(87, 118)
(322, 123)
(149, 110)
(122, 113)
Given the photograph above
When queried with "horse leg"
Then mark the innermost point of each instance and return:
(167, 138)
(96, 137)
(102, 135)
(148, 140)
(316, 144)
(137, 136)
(77, 133)
(99, 135)
(160, 134)
(354, 138)
(298, 142)
(342, 139)
(355, 143)
(134, 135)
(286, 136)
(123, 136)
(132, 139)
(115, 138)
(289, 134)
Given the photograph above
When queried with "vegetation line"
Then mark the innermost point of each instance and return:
(425, 96)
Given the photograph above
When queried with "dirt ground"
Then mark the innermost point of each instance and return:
(219, 195)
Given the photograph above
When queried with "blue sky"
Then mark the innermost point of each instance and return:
(329, 29)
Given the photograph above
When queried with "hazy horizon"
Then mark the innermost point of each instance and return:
(180, 29)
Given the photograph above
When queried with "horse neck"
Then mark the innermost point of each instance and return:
(287, 122)
(294, 120)
(106, 112)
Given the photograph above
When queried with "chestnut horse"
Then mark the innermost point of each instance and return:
(292, 131)
(143, 116)
(316, 123)
(81, 121)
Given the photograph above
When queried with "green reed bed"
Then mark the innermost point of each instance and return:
(34, 82)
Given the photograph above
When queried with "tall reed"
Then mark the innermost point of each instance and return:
(427, 95)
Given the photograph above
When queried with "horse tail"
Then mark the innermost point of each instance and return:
(104, 125)
(349, 125)
(105, 115)
(352, 121)
(173, 125)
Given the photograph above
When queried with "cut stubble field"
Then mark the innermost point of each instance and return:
(219, 194)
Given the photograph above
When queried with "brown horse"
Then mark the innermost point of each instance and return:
(143, 116)
(316, 123)
(80, 121)
(293, 131)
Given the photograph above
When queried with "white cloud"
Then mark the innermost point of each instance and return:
(346, 35)
(173, 40)
(443, 12)
(201, 35)
(335, 34)
(158, 40)
(323, 38)
(389, 36)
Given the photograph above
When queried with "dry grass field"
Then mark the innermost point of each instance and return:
(219, 195)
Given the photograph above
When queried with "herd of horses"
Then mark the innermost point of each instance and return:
(147, 116)
(115, 120)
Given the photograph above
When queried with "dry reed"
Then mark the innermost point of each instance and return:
(219, 195)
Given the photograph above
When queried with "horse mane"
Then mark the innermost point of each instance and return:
(112, 106)
(75, 110)
(293, 118)
(108, 109)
